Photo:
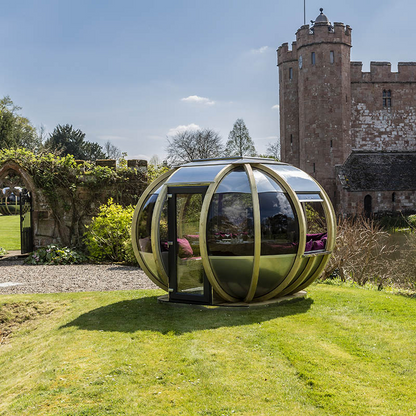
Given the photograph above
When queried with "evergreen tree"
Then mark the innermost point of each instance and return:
(239, 142)
(68, 141)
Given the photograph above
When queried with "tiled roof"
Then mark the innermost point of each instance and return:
(379, 171)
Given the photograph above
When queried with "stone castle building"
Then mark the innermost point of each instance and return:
(354, 131)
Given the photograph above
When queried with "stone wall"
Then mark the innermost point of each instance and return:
(373, 126)
(67, 225)
(383, 202)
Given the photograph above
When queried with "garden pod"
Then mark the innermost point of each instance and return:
(233, 230)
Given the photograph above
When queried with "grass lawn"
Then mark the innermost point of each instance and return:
(341, 351)
(10, 232)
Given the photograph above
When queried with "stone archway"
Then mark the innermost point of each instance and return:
(17, 187)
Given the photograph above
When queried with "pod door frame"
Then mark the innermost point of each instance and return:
(201, 292)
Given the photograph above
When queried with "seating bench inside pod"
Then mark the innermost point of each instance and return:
(233, 230)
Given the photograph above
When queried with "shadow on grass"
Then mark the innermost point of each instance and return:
(146, 314)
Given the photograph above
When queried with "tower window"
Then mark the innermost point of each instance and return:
(290, 73)
(314, 168)
(386, 98)
(313, 58)
(331, 57)
(393, 197)
(291, 140)
(331, 144)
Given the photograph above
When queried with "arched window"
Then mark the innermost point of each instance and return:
(386, 98)
(393, 197)
(368, 209)
(313, 58)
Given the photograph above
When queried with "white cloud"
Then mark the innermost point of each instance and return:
(198, 100)
(263, 49)
(181, 129)
(276, 107)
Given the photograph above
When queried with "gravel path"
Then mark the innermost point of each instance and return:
(75, 278)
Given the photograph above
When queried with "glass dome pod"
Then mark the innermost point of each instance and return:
(233, 230)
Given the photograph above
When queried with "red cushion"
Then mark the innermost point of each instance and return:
(184, 248)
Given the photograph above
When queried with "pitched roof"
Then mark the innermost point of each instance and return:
(379, 171)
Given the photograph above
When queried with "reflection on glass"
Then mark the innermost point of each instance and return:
(265, 183)
(144, 233)
(201, 174)
(279, 225)
(230, 233)
(230, 228)
(145, 224)
(189, 268)
(316, 226)
(297, 179)
(235, 182)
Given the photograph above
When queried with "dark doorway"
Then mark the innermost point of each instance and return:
(188, 282)
(368, 208)
(26, 229)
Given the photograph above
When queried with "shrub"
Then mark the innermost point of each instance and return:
(411, 219)
(53, 254)
(362, 253)
(405, 266)
(108, 236)
(154, 171)
(3, 251)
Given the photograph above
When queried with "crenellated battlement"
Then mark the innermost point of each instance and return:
(381, 72)
(284, 54)
(323, 33)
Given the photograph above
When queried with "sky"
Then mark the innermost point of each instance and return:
(136, 72)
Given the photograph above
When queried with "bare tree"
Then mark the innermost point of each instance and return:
(194, 144)
(155, 160)
(111, 151)
(239, 142)
(273, 150)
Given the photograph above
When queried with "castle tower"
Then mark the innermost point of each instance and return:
(315, 100)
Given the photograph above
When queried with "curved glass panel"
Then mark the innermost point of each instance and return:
(230, 233)
(144, 233)
(279, 233)
(163, 236)
(298, 180)
(273, 270)
(265, 183)
(316, 226)
(279, 224)
(200, 174)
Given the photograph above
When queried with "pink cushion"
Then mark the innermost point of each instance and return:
(184, 248)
